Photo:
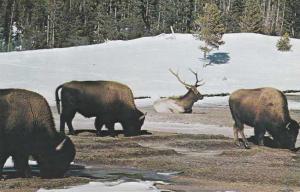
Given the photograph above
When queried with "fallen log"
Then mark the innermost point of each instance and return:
(142, 97)
(291, 91)
(218, 94)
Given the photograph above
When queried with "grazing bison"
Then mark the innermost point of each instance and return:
(27, 128)
(108, 101)
(265, 109)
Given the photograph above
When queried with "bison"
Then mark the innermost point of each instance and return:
(265, 109)
(108, 101)
(27, 129)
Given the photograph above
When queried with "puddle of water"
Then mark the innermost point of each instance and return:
(103, 174)
(113, 174)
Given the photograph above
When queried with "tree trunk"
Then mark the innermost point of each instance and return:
(48, 30)
(10, 26)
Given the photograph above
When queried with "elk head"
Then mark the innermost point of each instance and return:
(193, 92)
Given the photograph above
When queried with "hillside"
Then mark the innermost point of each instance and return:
(246, 60)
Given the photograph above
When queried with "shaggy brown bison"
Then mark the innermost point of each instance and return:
(27, 128)
(265, 109)
(108, 101)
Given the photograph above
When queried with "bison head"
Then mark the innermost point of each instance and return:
(133, 126)
(288, 139)
(55, 162)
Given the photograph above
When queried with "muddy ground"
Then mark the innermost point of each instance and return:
(205, 159)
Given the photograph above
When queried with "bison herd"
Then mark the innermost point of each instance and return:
(27, 126)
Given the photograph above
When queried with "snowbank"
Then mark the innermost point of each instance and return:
(118, 186)
(247, 60)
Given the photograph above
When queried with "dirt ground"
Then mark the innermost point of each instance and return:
(198, 150)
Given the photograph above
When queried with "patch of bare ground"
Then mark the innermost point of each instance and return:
(201, 158)
(32, 184)
(207, 163)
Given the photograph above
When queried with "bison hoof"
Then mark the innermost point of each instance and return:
(114, 135)
(72, 133)
(260, 143)
(246, 145)
(238, 144)
(295, 149)
(27, 175)
(241, 144)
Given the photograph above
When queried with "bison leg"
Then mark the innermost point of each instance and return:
(62, 124)
(236, 136)
(245, 141)
(259, 133)
(239, 128)
(3, 158)
(71, 128)
(98, 125)
(21, 165)
(111, 129)
(67, 116)
(236, 129)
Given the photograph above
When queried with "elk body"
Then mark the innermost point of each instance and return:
(181, 104)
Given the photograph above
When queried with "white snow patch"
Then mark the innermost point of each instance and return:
(118, 186)
(247, 60)
(294, 105)
(195, 128)
(10, 163)
(169, 173)
(167, 105)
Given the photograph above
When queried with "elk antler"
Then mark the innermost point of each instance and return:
(177, 76)
(197, 80)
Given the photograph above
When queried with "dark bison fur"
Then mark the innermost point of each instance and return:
(265, 109)
(27, 129)
(110, 102)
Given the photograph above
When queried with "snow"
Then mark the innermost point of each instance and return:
(166, 105)
(10, 164)
(247, 60)
(118, 186)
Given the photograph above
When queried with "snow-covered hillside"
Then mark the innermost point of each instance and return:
(246, 60)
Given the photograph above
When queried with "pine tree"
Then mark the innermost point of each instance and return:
(283, 43)
(210, 28)
(252, 19)
(291, 20)
(234, 16)
(61, 23)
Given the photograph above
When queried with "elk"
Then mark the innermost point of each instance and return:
(181, 104)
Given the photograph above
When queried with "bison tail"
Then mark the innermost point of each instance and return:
(57, 98)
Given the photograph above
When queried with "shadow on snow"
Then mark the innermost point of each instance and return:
(219, 58)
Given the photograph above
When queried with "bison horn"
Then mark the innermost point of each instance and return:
(287, 126)
(143, 116)
(60, 146)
